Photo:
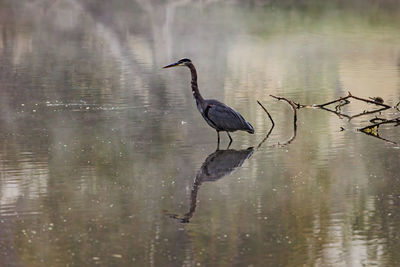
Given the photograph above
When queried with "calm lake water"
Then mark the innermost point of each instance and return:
(104, 159)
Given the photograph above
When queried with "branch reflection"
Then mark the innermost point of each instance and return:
(372, 130)
(217, 165)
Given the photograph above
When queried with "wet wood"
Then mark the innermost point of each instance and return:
(290, 103)
(293, 105)
(345, 100)
(341, 104)
(370, 101)
(272, 127)
(333, 101)
(266, 111)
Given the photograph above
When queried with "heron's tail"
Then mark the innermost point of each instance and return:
(250, 128)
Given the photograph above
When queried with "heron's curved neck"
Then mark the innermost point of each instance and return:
(195, 88)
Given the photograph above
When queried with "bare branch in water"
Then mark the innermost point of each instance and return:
(291, 138)
(370, 101)
(381, 138)
(293, 105)
(338, 108)
(266, 111)
(370, 130)
(367, 112)
(340, 115)
(345, 98)
(290, 103)
(272, 127)
(333, 101)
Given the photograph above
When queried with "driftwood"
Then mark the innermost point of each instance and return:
(223, 162)
(294, 108)
(372, 129)
(338, 107)
(346, 102)
(269, 115)
(291, 103)
(397, 106)
(355, 97)
(272, 127)
(342, 101)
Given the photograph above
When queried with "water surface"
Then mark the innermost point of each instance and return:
(105, 160)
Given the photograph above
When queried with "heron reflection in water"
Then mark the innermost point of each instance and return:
(218, 115)
(217, 165)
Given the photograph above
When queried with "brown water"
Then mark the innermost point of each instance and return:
(105, 160)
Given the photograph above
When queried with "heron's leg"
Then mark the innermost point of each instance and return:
(218, 140)
(230, 138)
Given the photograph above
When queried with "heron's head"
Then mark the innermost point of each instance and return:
(182, 62)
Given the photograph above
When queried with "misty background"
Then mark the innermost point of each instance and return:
(99, 145)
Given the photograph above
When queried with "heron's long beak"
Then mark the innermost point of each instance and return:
(171, 65)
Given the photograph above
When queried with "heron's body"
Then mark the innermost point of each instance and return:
(218, 115)
(223, 118)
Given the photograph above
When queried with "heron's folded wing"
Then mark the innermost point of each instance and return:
(226, 118)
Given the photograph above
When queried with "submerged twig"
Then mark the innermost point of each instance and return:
(373, 101)
(340, 105)
(397, 106)
(377, 119)
(291, 138)
(272, 127)
(340, 115)
(345, 98)
(266, 111)
(333, 101)
(381, 138)
(290, 103)
(378, 103)
(367, 112)
(299, 106)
